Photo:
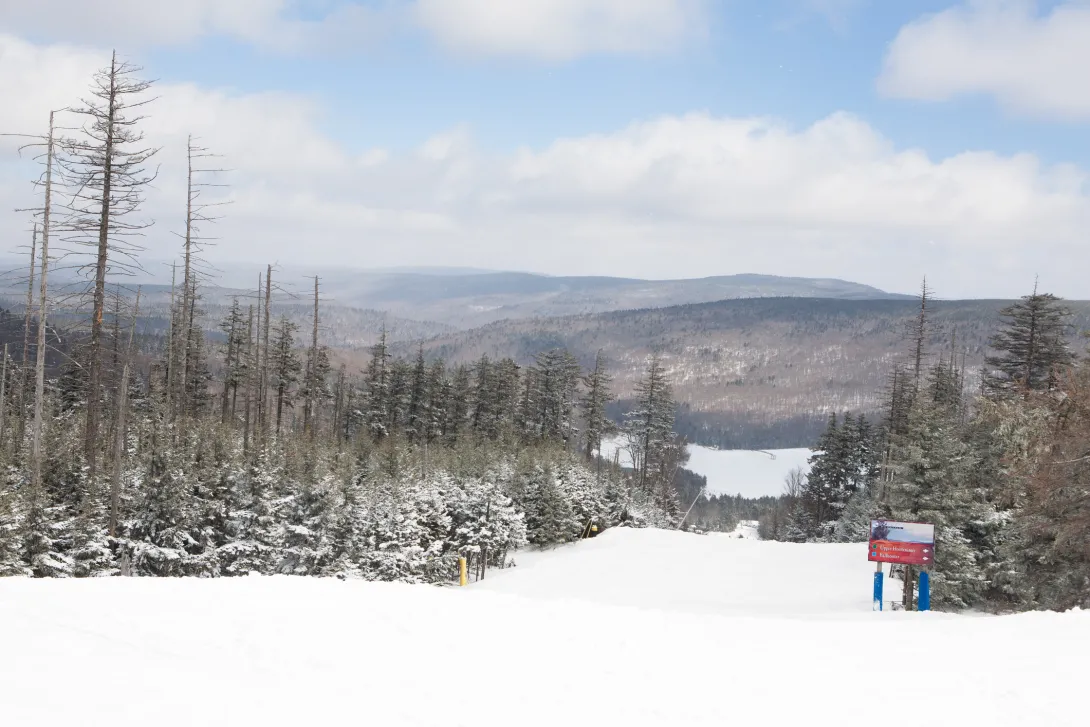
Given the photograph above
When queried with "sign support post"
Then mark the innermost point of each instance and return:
(878, 578)
(924, 603)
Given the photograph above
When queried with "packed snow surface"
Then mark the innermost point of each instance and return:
(746, 472)
(633, 628)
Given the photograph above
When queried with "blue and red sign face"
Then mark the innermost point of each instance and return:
(897, 542)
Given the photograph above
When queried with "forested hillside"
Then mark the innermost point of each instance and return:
(757, 372)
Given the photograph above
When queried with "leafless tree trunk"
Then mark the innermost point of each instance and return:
(259, 403)
(227, 376)
(108, 171)
(196, 213)
(171, 367)
(310, 414)
(264, 387)
(187, 277)
(24, 376)
(338, 410)
(249, 381)
(39, 384)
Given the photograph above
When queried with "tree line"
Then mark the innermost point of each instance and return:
(997, 461)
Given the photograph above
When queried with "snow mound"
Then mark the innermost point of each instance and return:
(633, 628)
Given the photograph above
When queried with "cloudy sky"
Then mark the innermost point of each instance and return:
(869, 140)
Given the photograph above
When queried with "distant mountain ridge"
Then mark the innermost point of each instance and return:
(467, 298)
(470, 300)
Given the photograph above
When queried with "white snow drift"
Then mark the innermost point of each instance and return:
(634, 628)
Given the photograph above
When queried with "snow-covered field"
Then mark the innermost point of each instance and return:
(750, 473)
(632, 628)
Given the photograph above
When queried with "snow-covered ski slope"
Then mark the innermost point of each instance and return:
(633, 628)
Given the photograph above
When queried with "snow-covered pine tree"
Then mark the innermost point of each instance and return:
(1031, 346)
(418, 426)
(233, 367)
(252, 542)
(398, 394)
(456, 414)
(593, 406)
(376, 391)
(649, 426)
(932, 467)
(484, 418)
(286, 367)
(438, 393)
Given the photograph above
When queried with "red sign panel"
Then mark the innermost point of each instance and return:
(898, 542)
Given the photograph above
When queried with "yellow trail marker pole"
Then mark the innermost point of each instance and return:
(463, 578)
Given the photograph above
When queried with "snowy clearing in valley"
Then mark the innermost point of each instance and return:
(632, 628)
(745, 472)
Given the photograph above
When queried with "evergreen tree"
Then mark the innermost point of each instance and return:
(398, 396)
(376, 408)
(316, 390)
(650, 433)
(456, 416)
(484, 417)
(558, 375)
(286, 367)
(438, 395)
(932, 467)
(597, 397)
(1031, 347)
(234, 367)
(419, 425)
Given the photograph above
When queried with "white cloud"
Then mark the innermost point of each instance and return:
(1031, 63)
(676, 196)
(555, 30)
(560, 29)
(143, 22)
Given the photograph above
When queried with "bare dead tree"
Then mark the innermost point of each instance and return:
(39, 384)
(28, 314)
(338, 409)
(264, 386)
(310, 414)
(249, 379)
(107, 169)
(259, 402)
(171, 352)
(200, 178)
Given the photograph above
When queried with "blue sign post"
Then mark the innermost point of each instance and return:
(878, 578)
(924, 603)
